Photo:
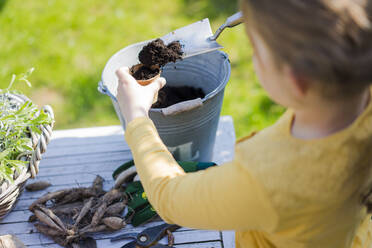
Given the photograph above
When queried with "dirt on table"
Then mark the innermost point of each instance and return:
(170, 95)
(154, 56)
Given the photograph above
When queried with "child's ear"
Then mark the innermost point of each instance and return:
(299, 83)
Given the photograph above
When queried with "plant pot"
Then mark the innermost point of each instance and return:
(9, 192)
(147, 81)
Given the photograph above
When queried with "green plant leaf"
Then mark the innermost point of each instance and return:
(17, 163)
(3, 154)
(35, 129)
(16, 121)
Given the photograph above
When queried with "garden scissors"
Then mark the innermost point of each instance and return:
(148, 237)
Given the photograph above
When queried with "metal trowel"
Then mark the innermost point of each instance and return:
(197, 38)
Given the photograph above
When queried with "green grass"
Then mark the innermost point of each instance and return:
(69, 42)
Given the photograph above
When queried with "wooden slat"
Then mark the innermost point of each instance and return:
(63, 142)
(96, 167)
(21, 205)
(16, 228)
(105, 131)
(85, 159)
(87, 149)
(16, 216)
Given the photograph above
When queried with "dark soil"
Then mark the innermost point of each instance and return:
(144, 73)
(157, 54)
(170, 95)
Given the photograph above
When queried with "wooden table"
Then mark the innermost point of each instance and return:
(75, 157)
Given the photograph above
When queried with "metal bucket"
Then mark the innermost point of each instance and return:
(189, 128)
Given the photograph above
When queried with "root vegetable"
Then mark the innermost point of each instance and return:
(49, 196)
(98, 184)
(32, 218)
(47, 220)
(54, 217)
(67, 215)
(99, 214)
(76, 195)
(40, 185)
(84, 211)
(72, 238)
(114, 223)
(92, 229)
(112, 195)
(75, 213)
(46, 230)
(68, 208)
(170, 238)
(116, 208)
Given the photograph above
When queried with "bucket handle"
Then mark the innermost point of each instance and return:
(182, 107)
(103, 89)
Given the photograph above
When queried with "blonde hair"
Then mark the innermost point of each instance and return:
(327, 41)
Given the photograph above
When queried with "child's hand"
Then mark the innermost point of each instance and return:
(134, 99)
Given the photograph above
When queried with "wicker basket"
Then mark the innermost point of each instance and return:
(9, 193)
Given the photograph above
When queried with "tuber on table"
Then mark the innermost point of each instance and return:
(36, 186)
(115, 223)
(69, 215)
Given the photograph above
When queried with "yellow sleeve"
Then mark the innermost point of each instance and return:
(363, 237)
(224, 197)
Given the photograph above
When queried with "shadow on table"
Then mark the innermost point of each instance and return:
(211, 9)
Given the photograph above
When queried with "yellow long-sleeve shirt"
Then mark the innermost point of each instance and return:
(279, 191)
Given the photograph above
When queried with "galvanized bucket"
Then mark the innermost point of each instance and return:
(189, 128)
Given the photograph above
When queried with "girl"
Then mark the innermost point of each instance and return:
(303, 182)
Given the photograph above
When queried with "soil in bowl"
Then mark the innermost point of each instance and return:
(170, 95)
(155, 55)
